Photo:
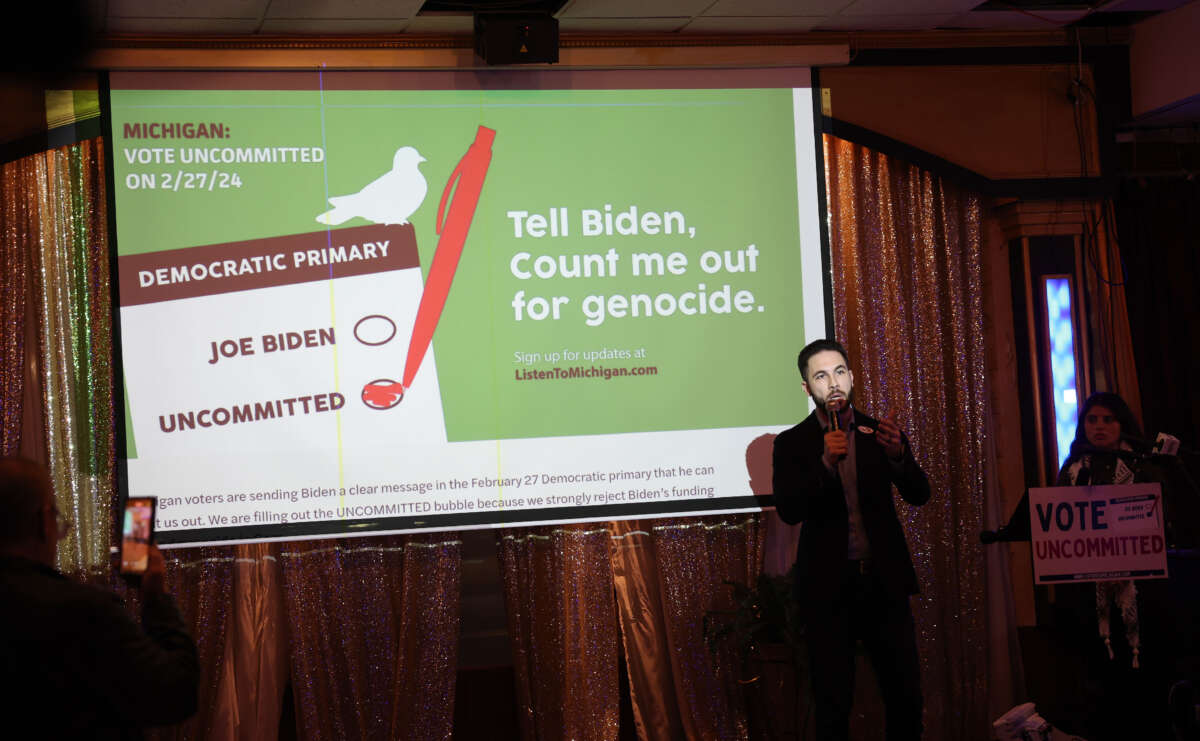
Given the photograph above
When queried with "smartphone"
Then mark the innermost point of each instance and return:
(137, 533)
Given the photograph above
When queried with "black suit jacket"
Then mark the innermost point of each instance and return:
(74, 664)
(806, 491)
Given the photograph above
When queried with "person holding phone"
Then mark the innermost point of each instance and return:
(73, 661)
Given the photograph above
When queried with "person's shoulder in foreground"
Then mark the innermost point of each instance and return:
(73, 661)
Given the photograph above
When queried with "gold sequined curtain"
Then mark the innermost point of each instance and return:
(69, 250)
(907, 304)
(694, 558)
(558, 589)
(18, 225)
(374, 636)
(200, 580)
(422, 698)
(249, 698)
(644, 631)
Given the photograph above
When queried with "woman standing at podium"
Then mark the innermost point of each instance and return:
(1120, 641)
(1102, 624)
(1107, 449)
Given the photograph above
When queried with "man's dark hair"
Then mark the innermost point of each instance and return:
(815, 347)
(1131, 431)
(22, 483)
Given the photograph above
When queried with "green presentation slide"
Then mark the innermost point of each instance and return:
(325, 287)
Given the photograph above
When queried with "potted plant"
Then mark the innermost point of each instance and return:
(764, 631)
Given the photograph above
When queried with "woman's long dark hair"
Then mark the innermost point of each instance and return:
(1131, 431)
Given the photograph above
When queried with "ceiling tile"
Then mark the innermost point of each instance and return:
(1014, 20)
(344, 9)
(146, 9)
(182, 25)
(334, 26)
(760, 24)
(776, 8)
(909, 7)
(883, 22)
(633, 8)
(621, 25)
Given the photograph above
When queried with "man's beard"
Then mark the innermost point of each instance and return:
(845, 400)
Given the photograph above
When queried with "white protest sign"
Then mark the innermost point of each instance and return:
(1097, 533)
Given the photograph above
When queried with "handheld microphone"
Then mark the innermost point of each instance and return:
(1137, 449)
(833, 408)
(1165, 444)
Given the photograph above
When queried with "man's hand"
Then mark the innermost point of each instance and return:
(837, 446)
(890, 436)
(153, 580)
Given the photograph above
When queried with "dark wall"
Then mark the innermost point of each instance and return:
(1158, 223)
(1159, 229)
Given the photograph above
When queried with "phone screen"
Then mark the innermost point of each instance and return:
(137, 532)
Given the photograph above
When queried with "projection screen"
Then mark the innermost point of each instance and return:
(367, 302)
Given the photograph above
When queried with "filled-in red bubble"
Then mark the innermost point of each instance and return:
(382, 393)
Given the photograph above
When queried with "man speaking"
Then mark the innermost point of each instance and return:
(834, 472)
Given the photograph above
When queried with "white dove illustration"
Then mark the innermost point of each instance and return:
(389, 199)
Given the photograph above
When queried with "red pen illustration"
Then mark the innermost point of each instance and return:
(466, 182)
